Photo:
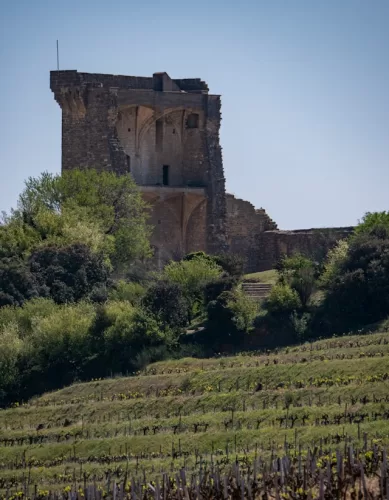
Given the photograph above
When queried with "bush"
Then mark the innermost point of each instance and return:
(359, 293)
(300, 274)
(230, 316)
(283, 300)
(10, 349)
(232, 264)
(58, 347)
(335, 260)
(127, 291)
(68, 273)
(374, 224)
(168, 302)
(132, 331)
(244, 310)
(214, 288)
(17, 283)
(192, 276)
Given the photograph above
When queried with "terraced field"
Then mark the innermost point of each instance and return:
(194, 412)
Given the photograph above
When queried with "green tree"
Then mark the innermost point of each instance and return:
(68, 273)
(100, 209)
(374, 224)
(244, 310)
(299, 272)
(192, 276)
(10, 349)
(18, 283)
(283, 300)
(167, 302)
(359, 293)
(336, 257)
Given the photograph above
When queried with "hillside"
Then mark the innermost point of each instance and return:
(193, 411)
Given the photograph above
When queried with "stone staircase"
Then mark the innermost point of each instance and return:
(257, 291)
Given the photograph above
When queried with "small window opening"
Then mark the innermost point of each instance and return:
(128, 160)
(129, 130)
(174, 131)
(158, 135)
(165, 175)
(192, 121)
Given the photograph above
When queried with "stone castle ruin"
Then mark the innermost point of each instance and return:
(165, 132)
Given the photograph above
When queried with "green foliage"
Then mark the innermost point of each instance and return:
(220, 318)
(10, 349)
(127, 291)
(230, 316)
(132, 331)
(299, 273)
(300, 324)
(356, 278)
(335, 259)
(232, 264)
(359, 293)
(27, 316)
(168, 303)
(99, 209)
(374, 224)
(283, 299)
(192, 276)
(244, 310)
(68, 273)
(58, 346)
(17, 282)
(214, 288)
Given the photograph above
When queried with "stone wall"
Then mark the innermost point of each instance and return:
(244, 226)
(166, 133)
(270, 246)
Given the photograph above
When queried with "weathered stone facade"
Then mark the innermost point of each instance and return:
(270, 246)
(166, 133)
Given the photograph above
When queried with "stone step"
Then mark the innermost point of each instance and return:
(256, 287)
(257, 291)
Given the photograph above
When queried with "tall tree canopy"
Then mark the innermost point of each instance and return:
(99, 209)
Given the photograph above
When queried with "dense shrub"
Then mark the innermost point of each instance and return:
(68, 273)
(192, 276)
(230, 316)
(17, 282)
(283, 300)
(232, 264)
(359, 293)
(168, 303)
(214, 288)
(300, 273)
(127, 291)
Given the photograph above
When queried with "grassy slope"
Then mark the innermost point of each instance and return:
(150, 417)
(269, 277)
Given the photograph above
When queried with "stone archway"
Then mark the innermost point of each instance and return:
(196, 228)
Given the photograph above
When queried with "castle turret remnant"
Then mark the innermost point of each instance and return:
(165, 132)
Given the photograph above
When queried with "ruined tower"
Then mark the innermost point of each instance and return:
(166, 133)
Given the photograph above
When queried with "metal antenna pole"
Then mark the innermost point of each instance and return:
(57, 57)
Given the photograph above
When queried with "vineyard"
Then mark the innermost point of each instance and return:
(314, 417)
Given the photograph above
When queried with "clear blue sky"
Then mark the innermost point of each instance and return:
(304, 84)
